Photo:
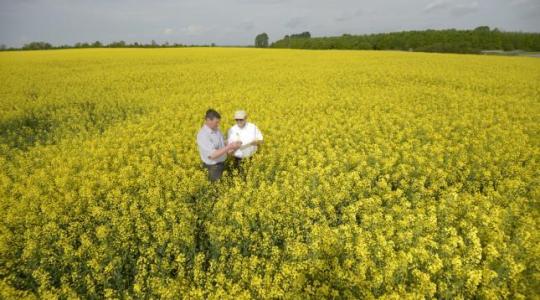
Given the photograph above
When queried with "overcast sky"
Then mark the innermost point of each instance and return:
(236, 22)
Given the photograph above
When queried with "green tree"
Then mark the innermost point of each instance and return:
(448, 40)
(482, 28)
(37, 46)
(261, 40)
(304, 34)
(119, 44)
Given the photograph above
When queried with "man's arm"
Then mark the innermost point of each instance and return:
(258, 138)
(227, 149)
(229, 134)
(253, 143)
(207, 149)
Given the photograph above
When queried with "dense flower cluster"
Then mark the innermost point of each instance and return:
(383, 174)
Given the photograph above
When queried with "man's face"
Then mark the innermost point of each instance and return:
(241, 122)
(213, 123)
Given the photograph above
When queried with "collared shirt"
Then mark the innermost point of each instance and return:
(246, 135)
(208, 141)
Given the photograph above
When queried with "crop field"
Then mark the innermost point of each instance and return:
(382, 175)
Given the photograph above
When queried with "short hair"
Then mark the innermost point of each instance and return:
(212, 114)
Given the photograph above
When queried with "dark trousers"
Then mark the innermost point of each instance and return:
(214, 171)
(239, 164)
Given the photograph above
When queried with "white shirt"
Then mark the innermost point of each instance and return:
(208, 141)
(246, 135)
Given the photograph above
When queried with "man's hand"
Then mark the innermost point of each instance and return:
(234, 146)
(227, 149)
(254, 143)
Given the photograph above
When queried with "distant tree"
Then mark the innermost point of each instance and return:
(37, 46)
(119, 44)
(448, 40)
(97, 44)
(214, 44)
(2, 47)
(482, 28)
(304, 34)
(81, 45)
(154, 44)
(261, 40)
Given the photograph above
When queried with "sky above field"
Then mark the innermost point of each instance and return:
(237, 22)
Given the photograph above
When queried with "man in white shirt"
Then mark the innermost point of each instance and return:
(212, 147)
(245, 132)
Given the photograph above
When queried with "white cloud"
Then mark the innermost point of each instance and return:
(455, 9)
(194, 29)
(296, 22)
(246, 25)
(263, 1)
(168, 31)
(465, 8)
(436, 5)
(520, 2)
(348, 15)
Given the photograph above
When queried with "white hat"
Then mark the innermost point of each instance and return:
(240, 114)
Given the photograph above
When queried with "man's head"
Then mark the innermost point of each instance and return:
(212, 119)
(240, 116)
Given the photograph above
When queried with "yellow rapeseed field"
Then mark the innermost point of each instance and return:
(383, 175)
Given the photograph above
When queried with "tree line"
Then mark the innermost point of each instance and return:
(449, 40)
(40, 45)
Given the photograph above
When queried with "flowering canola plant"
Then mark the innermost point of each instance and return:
(383, 175)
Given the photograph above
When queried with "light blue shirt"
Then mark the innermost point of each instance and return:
(208, 141)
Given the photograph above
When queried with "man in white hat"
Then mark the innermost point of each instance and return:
(244, 132)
